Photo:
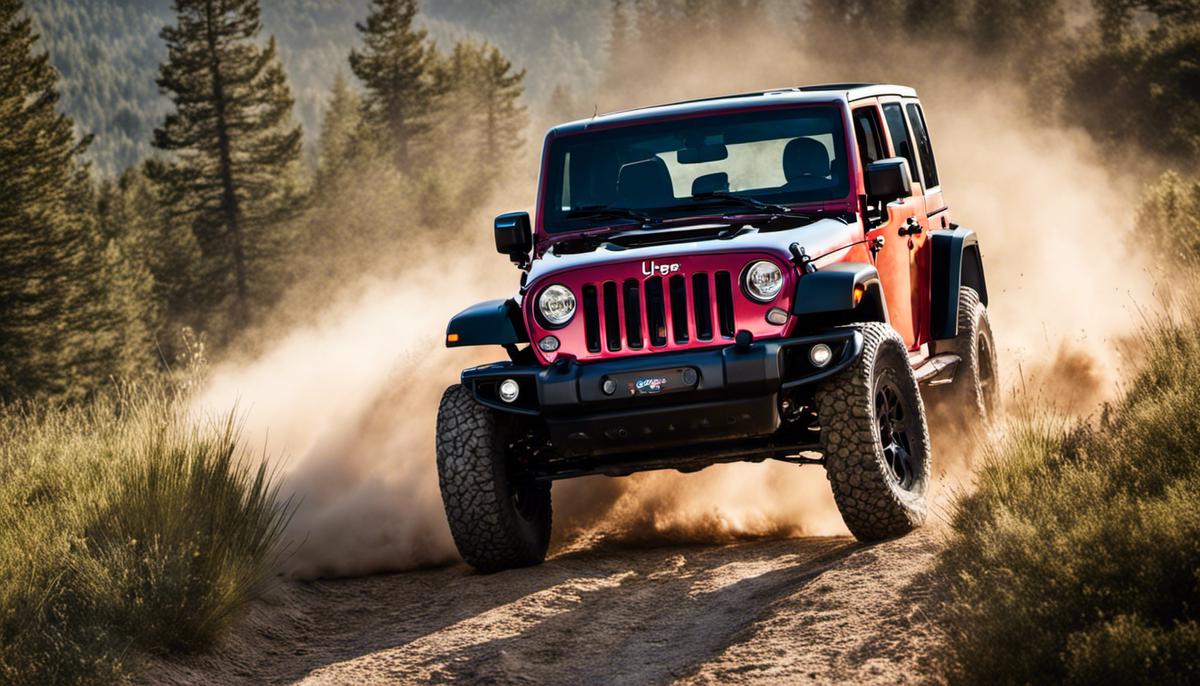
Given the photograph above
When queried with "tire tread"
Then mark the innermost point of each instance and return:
(871, 506)
(488, 531)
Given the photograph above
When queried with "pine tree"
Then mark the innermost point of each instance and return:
(483, 105)
(834, 24)
(234, 150)
(66, 300)
(620, 46)
(1139, 85)
(562, 105)
(943, 16)
(133, 219)
(1015, 29)
(338, 130)
(398, 68)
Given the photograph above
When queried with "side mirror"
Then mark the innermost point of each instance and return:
(514, 237)
(888, 179)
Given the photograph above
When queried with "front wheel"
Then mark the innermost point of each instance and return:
(498, 520)
(875, 439)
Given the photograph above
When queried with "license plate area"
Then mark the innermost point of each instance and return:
(650, 383)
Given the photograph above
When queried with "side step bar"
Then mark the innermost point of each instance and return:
(938, 370)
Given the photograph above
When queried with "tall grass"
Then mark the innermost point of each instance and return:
(125, 528)
(1077, 560)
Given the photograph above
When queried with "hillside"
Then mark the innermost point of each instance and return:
(108, 52)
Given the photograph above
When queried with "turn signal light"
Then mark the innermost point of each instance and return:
(451, 338)
(858, 294)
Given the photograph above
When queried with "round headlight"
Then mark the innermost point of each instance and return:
(556, 305)
(763, 281)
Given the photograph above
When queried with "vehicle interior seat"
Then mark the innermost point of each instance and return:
(646, 183)
(806, 165)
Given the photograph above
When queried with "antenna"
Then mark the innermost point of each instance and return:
(595, 110)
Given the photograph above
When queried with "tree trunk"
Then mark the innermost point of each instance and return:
(229, 200)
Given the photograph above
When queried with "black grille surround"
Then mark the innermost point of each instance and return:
(676, 309)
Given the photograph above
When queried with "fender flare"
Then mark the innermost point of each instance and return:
(956, 262)
(831, 289)
(493, 322)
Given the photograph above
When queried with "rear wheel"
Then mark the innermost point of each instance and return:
(974, 396)
(499, 520)
(875, 439)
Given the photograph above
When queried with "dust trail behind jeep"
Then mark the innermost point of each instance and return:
(771, 275)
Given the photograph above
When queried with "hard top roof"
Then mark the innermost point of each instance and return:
(825, 92)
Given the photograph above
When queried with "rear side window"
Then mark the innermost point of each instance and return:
(916, 119)
(869, 136)
(904, 148)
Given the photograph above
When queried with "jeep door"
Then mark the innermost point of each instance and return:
(902, 226)
(937, 215)
(904, 144)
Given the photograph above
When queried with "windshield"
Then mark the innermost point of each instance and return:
(671, 168)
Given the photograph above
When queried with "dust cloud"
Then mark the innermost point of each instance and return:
(349, 401)
(347, 406)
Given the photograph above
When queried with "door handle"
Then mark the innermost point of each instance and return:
(911, 228)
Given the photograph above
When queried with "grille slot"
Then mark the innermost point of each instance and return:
(679, 308)
(591, 319)
(633, 313)
(725, 304)
(656, 311)
(612, 317)
(702, 307)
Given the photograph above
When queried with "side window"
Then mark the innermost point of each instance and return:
(566, 189)
(895, 123)
(869, 136)
(916, 119)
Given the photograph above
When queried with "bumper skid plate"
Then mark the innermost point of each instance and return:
(667, 400)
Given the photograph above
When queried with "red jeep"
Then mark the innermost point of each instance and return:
(767, 275)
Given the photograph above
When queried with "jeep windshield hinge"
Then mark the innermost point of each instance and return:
(801, 258)
(807, 263)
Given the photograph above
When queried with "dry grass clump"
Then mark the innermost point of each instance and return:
(1077, 560)
(126, 527)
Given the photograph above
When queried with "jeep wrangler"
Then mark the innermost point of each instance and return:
(770, 275)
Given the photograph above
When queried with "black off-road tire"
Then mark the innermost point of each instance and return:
(974, 396)
(880, 492)
(498, 522)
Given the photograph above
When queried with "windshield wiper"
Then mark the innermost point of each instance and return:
(744, 201)
(600, 211)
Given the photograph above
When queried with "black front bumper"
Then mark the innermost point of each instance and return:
(667, 400)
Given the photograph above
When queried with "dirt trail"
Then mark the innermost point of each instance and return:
(810, 609)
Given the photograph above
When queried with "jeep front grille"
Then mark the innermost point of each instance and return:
(659, 310)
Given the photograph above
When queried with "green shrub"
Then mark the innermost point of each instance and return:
(125, 527)
(1168, 218)
(1078, 558)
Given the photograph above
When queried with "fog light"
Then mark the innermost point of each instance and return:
(820, 355)
(548, 344)
(777, 315)
(509, 390)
